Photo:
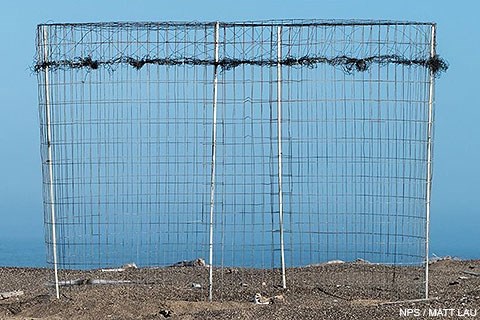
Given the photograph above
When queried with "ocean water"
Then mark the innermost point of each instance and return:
(22, 252)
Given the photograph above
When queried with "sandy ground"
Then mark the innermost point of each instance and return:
(340, 291)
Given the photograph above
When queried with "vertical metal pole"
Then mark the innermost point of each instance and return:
(279, 134)
(49, 160)
(429, 163)
(214, 155)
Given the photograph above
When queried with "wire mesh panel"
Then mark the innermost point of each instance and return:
(266, 149)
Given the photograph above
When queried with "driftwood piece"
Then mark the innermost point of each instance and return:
(11, 294)
(75, 282)
(102, 281)
(80, 282)
(476, 274)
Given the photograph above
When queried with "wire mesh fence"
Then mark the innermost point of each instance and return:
(254, 150)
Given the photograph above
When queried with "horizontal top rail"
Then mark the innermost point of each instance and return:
(255, 23)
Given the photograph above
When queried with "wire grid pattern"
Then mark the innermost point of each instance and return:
(132, 145)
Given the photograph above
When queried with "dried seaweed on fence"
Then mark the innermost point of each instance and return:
(435, 64)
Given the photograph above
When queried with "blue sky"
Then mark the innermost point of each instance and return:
(455, 227)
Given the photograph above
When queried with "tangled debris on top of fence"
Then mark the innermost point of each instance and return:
(435, 64)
